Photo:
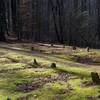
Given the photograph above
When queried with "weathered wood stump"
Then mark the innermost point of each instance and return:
(52, 52)
(8, 98)
(88, 49)
(74, 48)
(35, 62)
(52, 44)
(40, 51)
(53, 65)
(32, 48)
(64, 46)
(95, 78)
(98, 96)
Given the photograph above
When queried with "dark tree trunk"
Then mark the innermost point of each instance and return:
(19, 36)
(58, 15)
(2, 34)
(54, 18)
(98, 9)
(2, 37)
(2, 21)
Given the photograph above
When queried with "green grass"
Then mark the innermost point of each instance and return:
(73, 89)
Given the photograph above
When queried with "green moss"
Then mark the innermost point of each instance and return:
(73, 89)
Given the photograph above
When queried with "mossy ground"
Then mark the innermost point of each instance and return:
(17, 68)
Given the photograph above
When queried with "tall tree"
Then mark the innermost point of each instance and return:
(98, 19)
(2, 20)
(58, 15)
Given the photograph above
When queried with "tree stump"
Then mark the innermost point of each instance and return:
(53, 65)
(64, 46)
(95, 78)
(8, 98)
(35, 62)
(52, 52)
(52, 44)
(32, 48)
(40, 51)
(88, 49)
(74, 48)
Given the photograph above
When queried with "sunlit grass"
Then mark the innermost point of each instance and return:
(51, 91)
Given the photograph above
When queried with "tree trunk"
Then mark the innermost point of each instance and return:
(2, 21)
(2, 34)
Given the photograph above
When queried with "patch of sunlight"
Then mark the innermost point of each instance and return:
(12, 66)
(4, 60)
(15, 56)
(14, 95)
(56, 86)
(76, 70)
(38, 71)
(51, 91)
(83, 91)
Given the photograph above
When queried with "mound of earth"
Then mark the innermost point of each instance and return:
(89, 59)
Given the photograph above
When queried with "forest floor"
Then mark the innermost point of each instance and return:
(21, 79)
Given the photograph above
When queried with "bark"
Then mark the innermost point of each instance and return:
(2, 34)
(2, 21)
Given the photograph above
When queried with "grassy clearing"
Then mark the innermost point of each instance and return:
(67, 82)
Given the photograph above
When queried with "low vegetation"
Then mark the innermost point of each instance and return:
(27, 74)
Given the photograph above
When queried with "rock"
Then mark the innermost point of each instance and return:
(95, 78)
(53, 65)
